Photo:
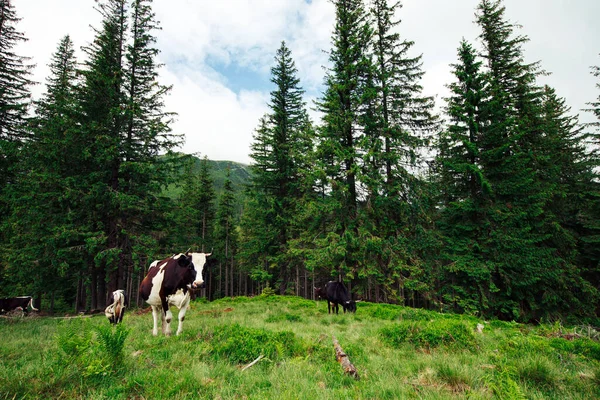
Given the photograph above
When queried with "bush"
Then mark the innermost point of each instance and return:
(239, 344)
(429, 334)
(93, 351)
(585, 347)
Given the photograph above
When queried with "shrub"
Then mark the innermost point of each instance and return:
(93, 351)
(429, 334)
(585, 347)
(240, 344)
(267, 292)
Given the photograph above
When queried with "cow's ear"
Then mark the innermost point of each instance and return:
(184, 261)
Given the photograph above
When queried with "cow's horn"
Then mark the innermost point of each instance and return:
(188, 250)
(211, 251)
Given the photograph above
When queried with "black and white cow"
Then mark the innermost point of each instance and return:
(115, 311)
(336, 293)
(14, 303)
(168, 283)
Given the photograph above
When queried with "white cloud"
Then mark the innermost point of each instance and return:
(199, 35)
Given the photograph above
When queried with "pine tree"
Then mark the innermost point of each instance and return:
(198, 202)
(528, 273)
(146, 134)
(464, 188)
(279, 150)
(589, 215)
(49, 186)
(103, 102)
(15, 72)
(397, 126)
(226, 236)
(338, 151)
(126, 131)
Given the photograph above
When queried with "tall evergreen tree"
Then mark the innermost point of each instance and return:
(464, 188)
(126, 130)
(338, 138)
(103, 103)
(226, 237)
(279, 149)
(401, 120)
(528, 273)
(258, 234)
(198, 200)
(146, 134)
(49, 186)
(15, 80)
(589, 217)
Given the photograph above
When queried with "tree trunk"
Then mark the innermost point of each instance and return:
(344, 361)
(93, 288)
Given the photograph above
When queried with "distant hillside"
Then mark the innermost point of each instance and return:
(240, 176)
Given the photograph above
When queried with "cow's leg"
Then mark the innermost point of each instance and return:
(167, 316)
(182, 310)
(328, 307)
(156, 312)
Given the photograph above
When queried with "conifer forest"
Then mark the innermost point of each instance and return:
(486, 202)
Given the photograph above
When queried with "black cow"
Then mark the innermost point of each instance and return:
(13, 303)
(336, 293)
(168, 283)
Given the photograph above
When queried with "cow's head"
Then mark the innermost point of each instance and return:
(350, 306)
(198, 261)
(320, 293)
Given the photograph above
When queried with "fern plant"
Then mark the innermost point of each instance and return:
(111, 343)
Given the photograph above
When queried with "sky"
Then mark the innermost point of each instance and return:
(218, 54)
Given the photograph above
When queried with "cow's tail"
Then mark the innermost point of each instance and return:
(31, 304)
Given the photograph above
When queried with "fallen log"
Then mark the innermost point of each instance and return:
(343, 359)
(252, 363)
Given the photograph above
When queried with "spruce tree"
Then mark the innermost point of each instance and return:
(338, 139)
(146, 135)
(197, 200)
(126, 130)
(48, 189)
(464, 188)
(396, 128)
(279, 151)
(15, 73)
(226, 237)
(528, 273)
(589, 216)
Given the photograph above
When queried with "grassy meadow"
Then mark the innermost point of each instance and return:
(399, 353)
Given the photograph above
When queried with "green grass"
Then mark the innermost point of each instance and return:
(400, 353)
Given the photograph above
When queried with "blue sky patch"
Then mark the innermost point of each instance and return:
(240, 77)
